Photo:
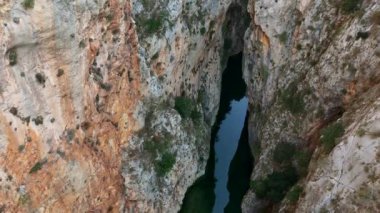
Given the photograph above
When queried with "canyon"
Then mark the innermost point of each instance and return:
(108, 105)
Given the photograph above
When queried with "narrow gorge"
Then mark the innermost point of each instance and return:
(189, 106)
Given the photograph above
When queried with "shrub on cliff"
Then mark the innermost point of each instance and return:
(165, 164)
(283, 37)
(156, 146)
(275, 186)
(12, 57)
(37, 166)
(284, 152)
(294, 194)
(330, 134)
(184, 106)
(28, 4)
(350, 6)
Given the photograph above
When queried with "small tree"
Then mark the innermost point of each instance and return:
(330, 134)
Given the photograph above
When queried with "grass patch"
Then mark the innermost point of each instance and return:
(330, 134)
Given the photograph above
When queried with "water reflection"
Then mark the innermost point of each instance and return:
(210, 192)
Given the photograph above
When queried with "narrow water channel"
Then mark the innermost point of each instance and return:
(229, 166)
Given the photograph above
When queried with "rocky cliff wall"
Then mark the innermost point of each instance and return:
(314, 67)
(85, 85)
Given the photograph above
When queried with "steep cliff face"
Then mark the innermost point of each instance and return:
(313, 69)
(85, 87)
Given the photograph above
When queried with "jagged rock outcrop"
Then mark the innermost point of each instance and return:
(307, 65)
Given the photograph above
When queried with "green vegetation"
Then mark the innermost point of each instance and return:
(106, 86)
(284, 152)
(156, 146)
(361, 132)
(21, 147)
(184, 106)
(283, 37)
(40, 77)
(12, 57)
(299, 46)
(275, 185)
(330, 134)
(37, 166)
(155, 23)
(302, 159)
(264, 72)
(159, 146)
(203, 30)
(109, 17)
(38, 120)
(82, 44)
(28, 4)
(196, 116)
(350, 6)
(24, 199)
(165, 164)
(147, 4)
(294, 194)
(13, 111)
(69, 134)
(292, 99)
(60, 72)
(155, 56)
